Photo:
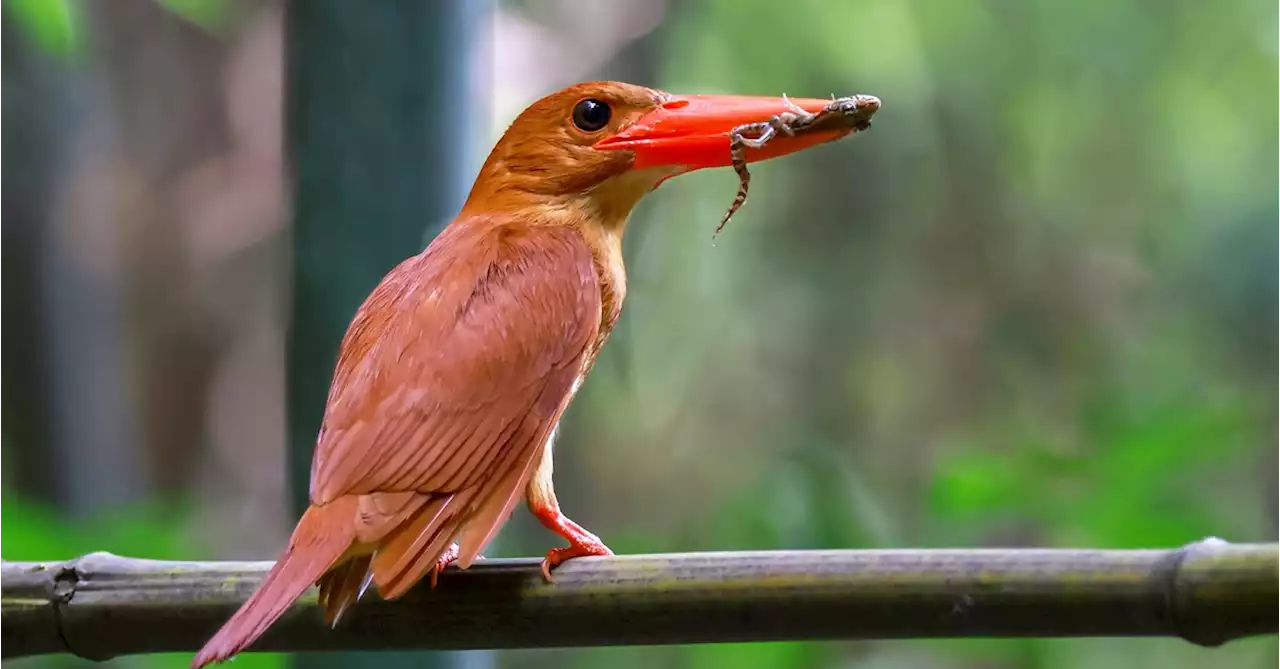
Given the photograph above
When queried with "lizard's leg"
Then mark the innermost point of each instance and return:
(800, 112)
(784, 122)
(767, 131)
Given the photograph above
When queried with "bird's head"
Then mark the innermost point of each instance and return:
(594, 149)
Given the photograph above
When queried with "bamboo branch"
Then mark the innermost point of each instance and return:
(101, 605)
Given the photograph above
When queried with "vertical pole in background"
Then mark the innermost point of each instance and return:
(29, 138)
(379, 114)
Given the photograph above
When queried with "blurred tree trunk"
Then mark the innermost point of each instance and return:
(155, 120)
(35, 108)
(378, 111)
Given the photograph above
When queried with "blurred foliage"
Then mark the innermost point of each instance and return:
(53, 25)
(208, 14)
(1034, 305)
(34, 533)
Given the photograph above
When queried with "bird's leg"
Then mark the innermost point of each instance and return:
(541, 497)
(449, 556)
(581, 542)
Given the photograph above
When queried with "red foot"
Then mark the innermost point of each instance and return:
(449, 556)
(557, 556)
(581, 542)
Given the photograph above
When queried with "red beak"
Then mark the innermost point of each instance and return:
(692, 131)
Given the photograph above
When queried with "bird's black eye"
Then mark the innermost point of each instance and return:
(590, 115)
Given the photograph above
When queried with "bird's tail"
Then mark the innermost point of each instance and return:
(322, 537)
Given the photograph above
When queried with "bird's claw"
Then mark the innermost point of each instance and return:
(557, 556)
(449, 556)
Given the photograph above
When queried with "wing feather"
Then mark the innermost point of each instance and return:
(449, 381)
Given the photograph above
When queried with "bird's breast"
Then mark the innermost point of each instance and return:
(612, 275)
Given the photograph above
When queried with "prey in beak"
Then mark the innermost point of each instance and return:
(697, 131)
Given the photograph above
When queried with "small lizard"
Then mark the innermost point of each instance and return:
(850, 112)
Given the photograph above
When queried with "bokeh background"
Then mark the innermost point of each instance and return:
(1035, 305)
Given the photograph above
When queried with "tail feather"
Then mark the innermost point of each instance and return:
(321, 539)
(413, 548)
(343, 586)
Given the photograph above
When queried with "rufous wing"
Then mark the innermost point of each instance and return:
(449, 382)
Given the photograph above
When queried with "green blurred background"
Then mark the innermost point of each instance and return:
(1035, 305)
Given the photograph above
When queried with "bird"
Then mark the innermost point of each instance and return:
(454, 372)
